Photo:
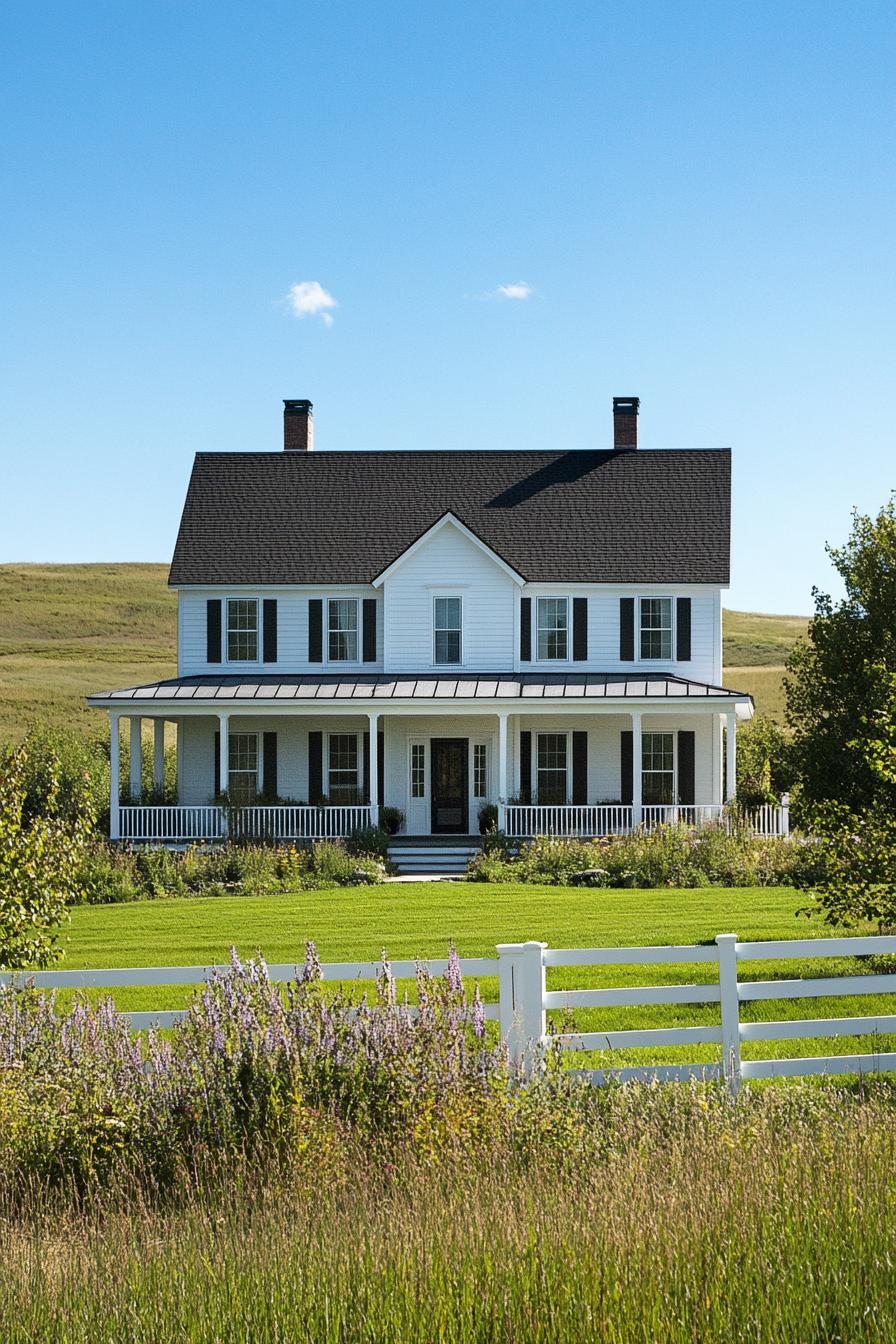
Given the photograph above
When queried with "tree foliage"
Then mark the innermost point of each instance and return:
(764, 762)
(858, 849)
(836, 682)
(40, 863)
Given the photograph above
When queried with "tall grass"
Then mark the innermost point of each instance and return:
(685, 1219)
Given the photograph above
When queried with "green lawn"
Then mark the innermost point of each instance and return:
(421, 919)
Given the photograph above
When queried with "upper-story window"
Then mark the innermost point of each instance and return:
(656, 627)
(242, 630)
(446, 630)
(552, 628)
(343, 630)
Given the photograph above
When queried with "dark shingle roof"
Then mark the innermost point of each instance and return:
(397, 686)
(343, 517)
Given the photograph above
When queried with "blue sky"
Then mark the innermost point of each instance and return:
(699, 196)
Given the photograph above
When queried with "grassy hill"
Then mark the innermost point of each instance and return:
(756, 647)
(66, 630)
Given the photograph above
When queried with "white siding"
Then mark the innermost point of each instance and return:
(603, 630)
(452, 564)
(292, 630)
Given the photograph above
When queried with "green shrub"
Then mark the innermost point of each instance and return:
(391, 819)
(667, 856)
(371, 841)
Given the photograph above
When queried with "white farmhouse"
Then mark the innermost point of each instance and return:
(434, 632)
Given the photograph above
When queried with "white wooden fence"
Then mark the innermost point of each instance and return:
(524, 1001)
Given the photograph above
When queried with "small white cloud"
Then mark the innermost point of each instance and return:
(520, 290)
(308, 298)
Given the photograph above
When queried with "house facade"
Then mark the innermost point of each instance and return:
(441, 632)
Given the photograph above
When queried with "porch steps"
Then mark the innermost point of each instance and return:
(425, 858)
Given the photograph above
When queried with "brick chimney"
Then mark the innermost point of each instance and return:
(625, 422)
(298, 427)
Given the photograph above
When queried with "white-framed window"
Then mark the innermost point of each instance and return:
(658, 768)
(551, 762)
(447, 625)
(656, 627)
(242, 767)
(343, 763)
(418, 770)
(242, 630)
(342, 630)
(552, 628)
(480, 770)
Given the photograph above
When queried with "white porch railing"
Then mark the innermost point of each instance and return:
(529, 819)
(284, 822)
(524, 821)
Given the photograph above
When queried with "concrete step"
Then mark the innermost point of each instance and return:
(431, 858)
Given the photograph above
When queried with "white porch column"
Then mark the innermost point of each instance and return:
(224, 752)
(502, 769)
(636, 767)
(158, 754)
(114, 777)
(374, 720)
(136, 758)
(731, 758)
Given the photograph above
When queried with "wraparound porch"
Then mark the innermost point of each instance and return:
(309, 759)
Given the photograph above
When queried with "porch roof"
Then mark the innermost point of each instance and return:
(522, 686)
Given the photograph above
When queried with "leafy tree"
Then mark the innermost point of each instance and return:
(764, 762)
(834, 676)
(40, 859)
(857, 850)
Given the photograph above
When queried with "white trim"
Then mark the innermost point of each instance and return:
(358, 706)
(353, 663)
(447, 519)
(567, 658)
(225, 634)
(359, 757)
(436, 597)
(639, 629)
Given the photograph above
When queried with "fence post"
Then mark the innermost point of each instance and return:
(730, 1002)
(785, 813)
(521, 981)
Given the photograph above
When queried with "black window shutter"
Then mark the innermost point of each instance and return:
(369, 618)
(627, 786)
(580, 767)
(215, 784)
(580, 629)
(526, 767)
(683, 629)
(626, 629)
(315, 630)
(269, 765)
(269, 630)
(213, 630)
(687, 792)
(525, 629)
(315, 767)
(366, 784)
(381, 766)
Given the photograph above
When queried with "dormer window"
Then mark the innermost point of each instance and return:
(343, 630)
(242, 630)
(446, 631)
(656, 628)
(553, 628)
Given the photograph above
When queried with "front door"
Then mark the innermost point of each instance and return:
(448, 775)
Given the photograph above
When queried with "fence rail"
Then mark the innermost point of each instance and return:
(524, 1001)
